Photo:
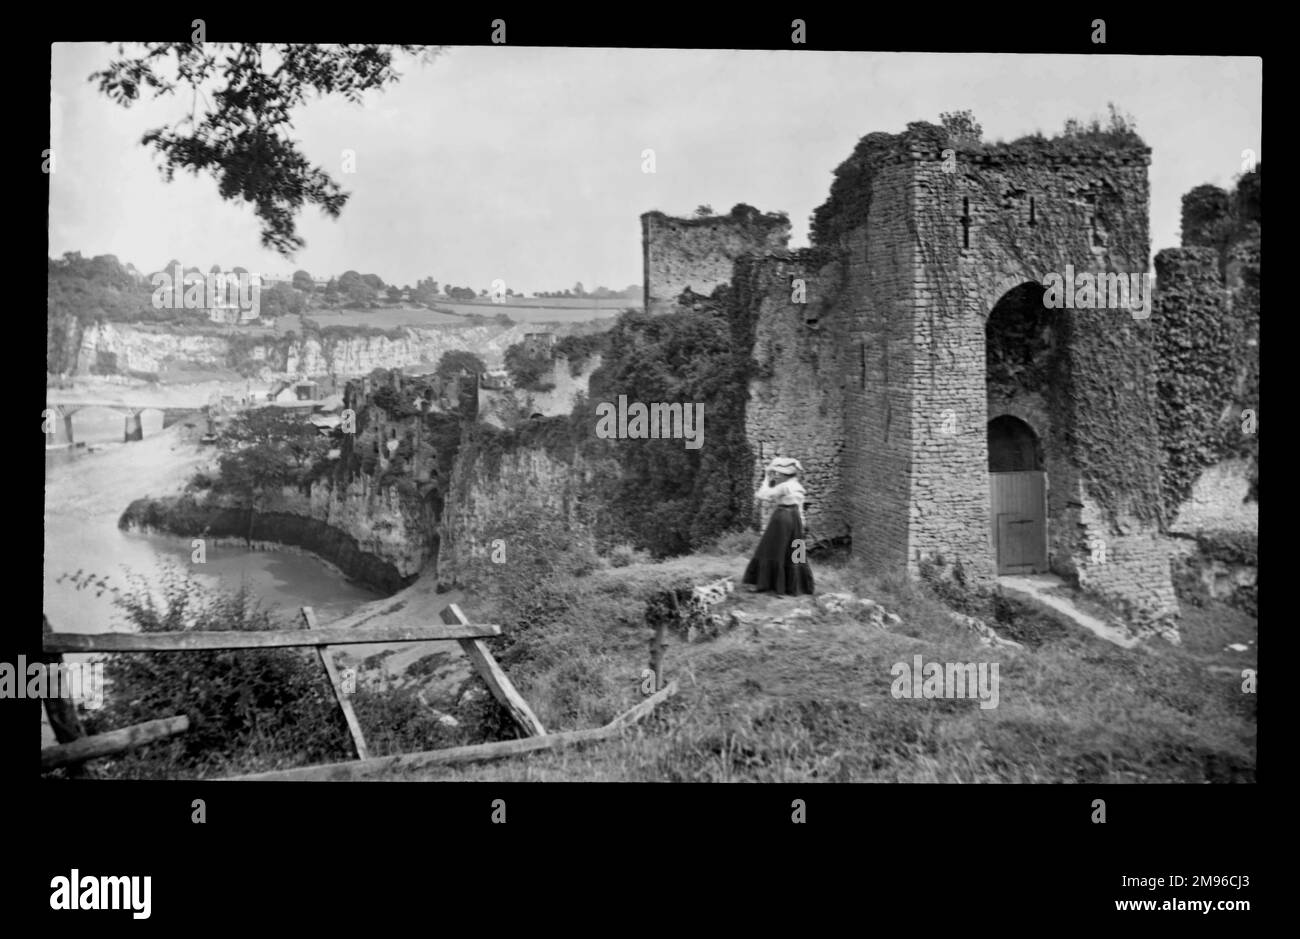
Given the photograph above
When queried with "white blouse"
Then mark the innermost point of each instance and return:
(790, 492)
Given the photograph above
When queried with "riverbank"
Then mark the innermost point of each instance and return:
(184, 516)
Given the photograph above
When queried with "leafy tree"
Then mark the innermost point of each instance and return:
(666, 498)
(454, 360)
(293, 439)
(243, 136)
(703, 211)
(527, 368)
(394, 293)
(426, 291)
(252, 474)
(264, 449)
(302, 281)
(356, 289)
(281, 299)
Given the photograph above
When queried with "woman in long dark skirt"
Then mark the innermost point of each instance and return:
(774, 566)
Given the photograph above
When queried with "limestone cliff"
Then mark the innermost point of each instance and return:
(375, 536)
(144, 349)
(499, 474)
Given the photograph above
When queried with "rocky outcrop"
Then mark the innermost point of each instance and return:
(506, 407)
(495, 478)
(373, 536)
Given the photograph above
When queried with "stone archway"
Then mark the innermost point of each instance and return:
(1024, 379)
(1014, 446)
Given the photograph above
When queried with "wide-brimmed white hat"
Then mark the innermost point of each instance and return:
(785, 465)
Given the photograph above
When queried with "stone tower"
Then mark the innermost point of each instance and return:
(944, 398)
(698, 253)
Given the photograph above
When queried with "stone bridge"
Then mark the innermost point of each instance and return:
(133, 428)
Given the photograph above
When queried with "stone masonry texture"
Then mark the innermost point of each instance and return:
(874, 374)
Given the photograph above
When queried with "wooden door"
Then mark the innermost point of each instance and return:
(1019, 517)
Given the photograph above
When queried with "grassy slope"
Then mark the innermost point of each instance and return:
(814, 704)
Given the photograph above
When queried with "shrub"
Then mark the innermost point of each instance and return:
(622, 555)
(744, 541)
(248, 709)
(528, 370)
(395, 720)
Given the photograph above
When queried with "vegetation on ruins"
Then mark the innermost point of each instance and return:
(849, 202)
(528, 367)
(454, 360)
(670, 499)
(1208, 341)
(580, 348)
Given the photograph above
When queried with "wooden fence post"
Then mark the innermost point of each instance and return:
(331, 672)
(495, 678)
(62, 712)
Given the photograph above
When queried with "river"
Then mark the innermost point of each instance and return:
(85, 494)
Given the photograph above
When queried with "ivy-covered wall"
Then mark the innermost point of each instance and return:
(783, 309)
(931, 234)
(1207, 316)
(883, 379)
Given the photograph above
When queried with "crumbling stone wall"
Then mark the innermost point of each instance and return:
(1220, 500)
(1016, 215)
(504, 408)
(881, 279)
(698, 253)
(796, 394)
(912, 253)
(935, 248)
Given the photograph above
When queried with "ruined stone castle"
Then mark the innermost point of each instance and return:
(940, 409)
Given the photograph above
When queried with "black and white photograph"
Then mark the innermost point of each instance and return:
(509, 413)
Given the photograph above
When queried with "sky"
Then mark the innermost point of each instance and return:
(525, 164)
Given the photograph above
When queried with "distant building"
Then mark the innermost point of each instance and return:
(332, 403)
(282, 392)
(539, 343)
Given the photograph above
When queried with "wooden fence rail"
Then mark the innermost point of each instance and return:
(212, 640)
(455, 626)
(409, 762)
(115, 741)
